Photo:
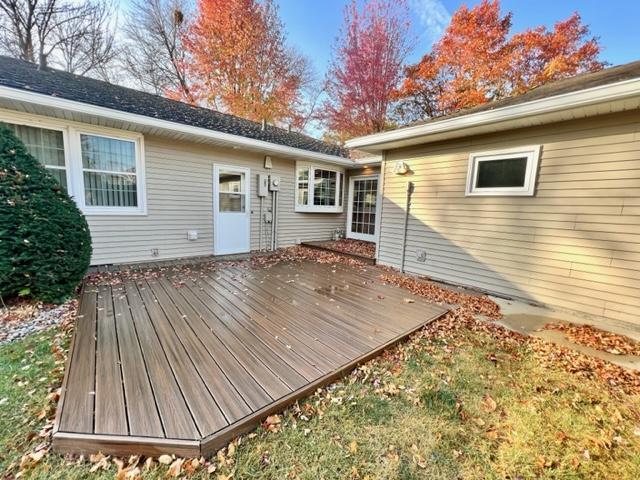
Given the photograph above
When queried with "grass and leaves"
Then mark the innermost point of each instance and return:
(465, 404)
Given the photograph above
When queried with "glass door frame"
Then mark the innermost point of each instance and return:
(356, 235)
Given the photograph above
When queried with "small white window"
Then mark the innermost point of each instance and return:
(110, 174)
(318, 189)
(509, 172)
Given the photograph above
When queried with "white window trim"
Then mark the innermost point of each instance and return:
(532, 154)
(337, 208)
(73, 158)
(138, 141)
(19, 120)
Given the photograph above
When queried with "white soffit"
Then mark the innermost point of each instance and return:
(599, 100)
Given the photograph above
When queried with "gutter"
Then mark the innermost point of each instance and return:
(109, 113)
(580, 98)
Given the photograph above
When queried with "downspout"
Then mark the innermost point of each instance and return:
(381, 206)
(406, 225)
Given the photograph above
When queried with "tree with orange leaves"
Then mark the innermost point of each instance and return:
(477, 61)
(366, 68)
(239, 62)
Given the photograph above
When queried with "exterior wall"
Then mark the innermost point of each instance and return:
(575, 244)
(179, 185)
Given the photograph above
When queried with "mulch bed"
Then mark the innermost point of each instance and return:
(352, 247)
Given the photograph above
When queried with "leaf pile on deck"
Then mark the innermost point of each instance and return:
(198, 268)
(590, 336)
(301, 253)
(354, 247)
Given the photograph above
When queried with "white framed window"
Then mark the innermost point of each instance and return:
(318, 188)
(47, 145)
(101, 168)
(111, 173)
(509, 172)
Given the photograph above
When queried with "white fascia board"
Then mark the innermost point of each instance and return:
(590, 96)
(109, 113)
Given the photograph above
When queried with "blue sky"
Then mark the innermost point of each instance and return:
(313, 25)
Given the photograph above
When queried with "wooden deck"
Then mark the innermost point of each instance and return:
(182, 363)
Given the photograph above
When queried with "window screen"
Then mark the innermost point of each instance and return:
(510, 172)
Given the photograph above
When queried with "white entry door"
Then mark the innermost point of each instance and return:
(362, 219)
(231, 210)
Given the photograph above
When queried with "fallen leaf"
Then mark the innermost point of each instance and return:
(489, 404)
(176, 468)
(353, 446)
(480, 422)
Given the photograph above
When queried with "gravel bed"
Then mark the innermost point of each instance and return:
(25, 319)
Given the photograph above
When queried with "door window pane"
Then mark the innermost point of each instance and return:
(231, 196)
(47, 146)
(232, 202)
(231, 182)
(510, 172)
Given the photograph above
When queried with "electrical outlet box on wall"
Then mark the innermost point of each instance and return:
(263, 185)
(421, 255)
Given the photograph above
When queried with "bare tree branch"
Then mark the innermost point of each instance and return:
(87, 44)
(153, 53)
(79, 33)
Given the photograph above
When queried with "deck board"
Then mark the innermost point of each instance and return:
(176, 419)
(78, 409)
(142, 412)
(182, 362)
(110, 412)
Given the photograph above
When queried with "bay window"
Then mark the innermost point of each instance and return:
(318, 189)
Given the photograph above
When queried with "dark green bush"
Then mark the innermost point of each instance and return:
(45, 244)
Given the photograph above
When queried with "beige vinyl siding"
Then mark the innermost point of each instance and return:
(575, 244)
(179, 183)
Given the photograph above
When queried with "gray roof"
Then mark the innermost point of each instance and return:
(26, 76)
(583, 81)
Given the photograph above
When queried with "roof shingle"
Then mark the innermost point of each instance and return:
(24, 75)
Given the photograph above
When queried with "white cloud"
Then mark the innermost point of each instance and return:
(434, 18)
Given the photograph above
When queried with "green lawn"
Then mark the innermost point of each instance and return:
(461, 406)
